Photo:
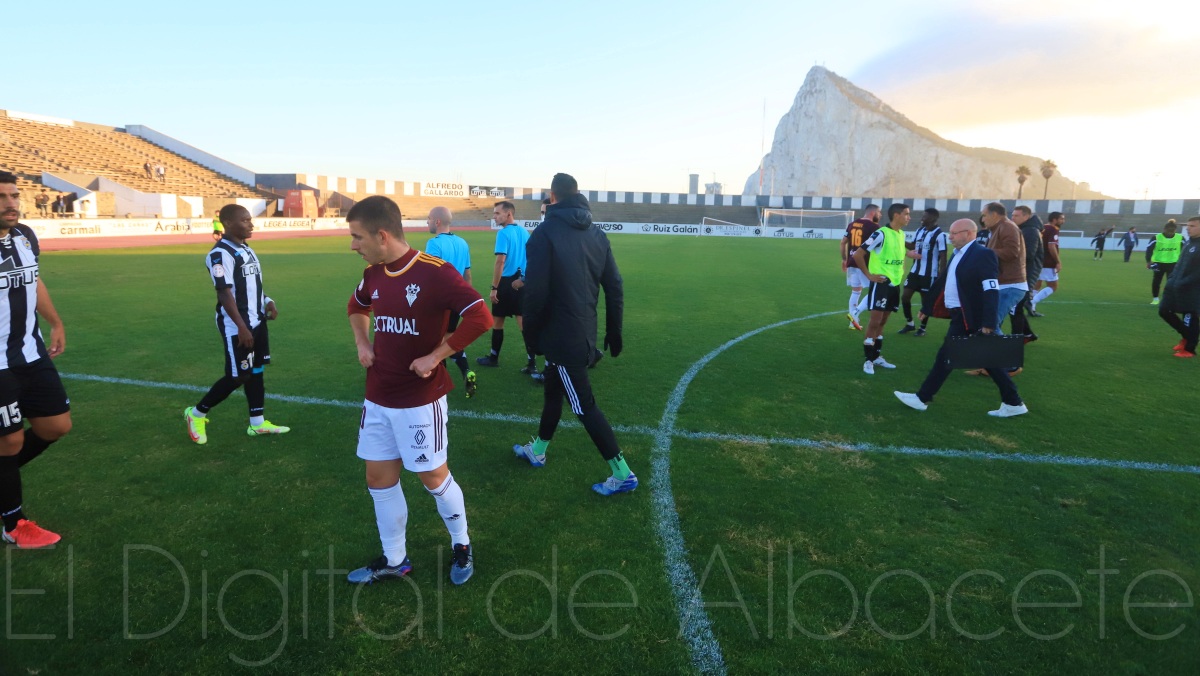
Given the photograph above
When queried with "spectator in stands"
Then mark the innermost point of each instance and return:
(162, 173)
(43, 203)
(149, 171)
(60, 206)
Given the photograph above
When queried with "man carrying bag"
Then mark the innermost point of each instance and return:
(970, 296)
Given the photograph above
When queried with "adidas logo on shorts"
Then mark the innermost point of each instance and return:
(422, 458)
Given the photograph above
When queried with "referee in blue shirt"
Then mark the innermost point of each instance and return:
(505, 297)
(454, 250)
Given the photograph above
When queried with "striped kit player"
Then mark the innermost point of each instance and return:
(241, 316)
(928, 251)
(30, 388)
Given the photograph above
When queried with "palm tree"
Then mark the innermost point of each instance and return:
(1048, 168)
(1023, 174)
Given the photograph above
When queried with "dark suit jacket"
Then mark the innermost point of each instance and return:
(978, 288)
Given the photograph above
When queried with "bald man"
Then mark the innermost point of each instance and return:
(454, 250)
(971, 294)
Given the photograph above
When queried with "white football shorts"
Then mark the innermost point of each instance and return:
(1048, 275)
(856, 278)
(415, 436)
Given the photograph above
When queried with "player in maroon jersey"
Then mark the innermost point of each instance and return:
(856, 233)
(406, 297)
(1052, 265)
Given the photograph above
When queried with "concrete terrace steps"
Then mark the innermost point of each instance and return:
(30, 186)
(175, 163)
(111, 154)
(197, 171)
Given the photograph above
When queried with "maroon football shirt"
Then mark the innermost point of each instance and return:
(411, 300)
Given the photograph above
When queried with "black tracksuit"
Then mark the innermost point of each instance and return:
(569, 260)
(1181, 296)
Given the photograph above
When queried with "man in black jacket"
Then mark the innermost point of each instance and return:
(1182, 293)
(971, 294)
(569, 259)
(1035, 253)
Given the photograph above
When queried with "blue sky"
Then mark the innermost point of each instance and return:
(624, 95)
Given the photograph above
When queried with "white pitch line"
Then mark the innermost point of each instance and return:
(689, 604)
(1032, 458)
(339, 403)
(1067, 460)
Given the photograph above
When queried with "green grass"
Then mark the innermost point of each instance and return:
(231, 538)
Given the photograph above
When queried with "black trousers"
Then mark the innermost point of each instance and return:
(1161, 271)
(1188, 327)
(942, 370)
(571, 383)
(1020, 323)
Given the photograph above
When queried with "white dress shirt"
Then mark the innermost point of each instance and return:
(950, 295)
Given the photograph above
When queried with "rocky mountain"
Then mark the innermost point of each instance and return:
(840, 140)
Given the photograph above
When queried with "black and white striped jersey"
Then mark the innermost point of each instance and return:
(235, 267)
(19, 331)
(929, 243)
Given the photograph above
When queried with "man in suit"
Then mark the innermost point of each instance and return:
(971, 294)
(1130, 242)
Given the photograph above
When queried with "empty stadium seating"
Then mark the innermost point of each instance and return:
(28, 148)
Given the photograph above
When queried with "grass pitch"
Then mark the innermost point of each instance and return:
(811, 556)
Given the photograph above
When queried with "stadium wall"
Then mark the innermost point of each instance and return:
(1100, 208)
(1168, 208)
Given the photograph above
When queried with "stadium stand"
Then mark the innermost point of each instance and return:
(28, 148)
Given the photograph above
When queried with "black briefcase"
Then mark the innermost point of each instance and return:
(985, 350)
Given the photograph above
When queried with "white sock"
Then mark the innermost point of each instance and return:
(197, 414)
(391, 517)
(862, 305)
(453, 508)
(1042, 295)
(853, 301)
(256, 420)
